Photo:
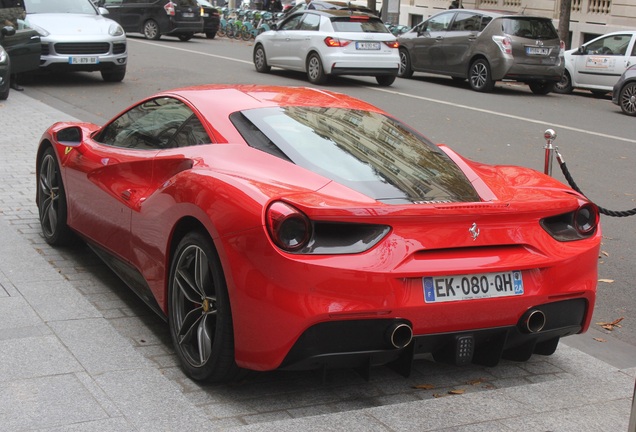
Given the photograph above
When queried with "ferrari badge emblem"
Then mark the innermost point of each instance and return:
(474, 231)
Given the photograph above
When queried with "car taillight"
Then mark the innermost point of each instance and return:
(576, 225)
(288, 227)
(586, 219)
(392, 44)
(335, 42)
(169, 8)
(562, 46)
(504, 43)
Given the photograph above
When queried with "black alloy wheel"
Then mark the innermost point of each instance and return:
(199, 314)
(51, 200)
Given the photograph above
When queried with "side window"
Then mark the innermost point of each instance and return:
(190, 134)
(466, 21)
(148, 126)
(310, 22)
(485, 20)
(610, 45)
(634, 48)
(291, 23)
(438, 23)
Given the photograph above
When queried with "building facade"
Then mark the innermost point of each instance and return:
(588, 18)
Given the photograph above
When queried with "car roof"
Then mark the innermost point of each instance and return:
(497, 13)
(339, 13)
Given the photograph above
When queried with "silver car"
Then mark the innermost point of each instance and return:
(76, 37)
(485, 47)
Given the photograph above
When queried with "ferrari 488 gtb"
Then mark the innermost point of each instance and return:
(296, 228)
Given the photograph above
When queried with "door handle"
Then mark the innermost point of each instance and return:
(439, 38)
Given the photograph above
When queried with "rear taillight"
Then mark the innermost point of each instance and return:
(504, 43)
(335, 42)
(392, 44)
(562, 46)
(586, 219)
(288, 227)
(576, 225)
(169, 8)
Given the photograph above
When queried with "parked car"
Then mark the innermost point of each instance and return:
(329, 42)
(211, 18)
(76, 37)
(297, 228)
(598, 64)
(19, 50)
(485, 47)
(624, 91)
(154, 18)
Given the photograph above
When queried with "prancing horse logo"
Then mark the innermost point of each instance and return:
(474, 231)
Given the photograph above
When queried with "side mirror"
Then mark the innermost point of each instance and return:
(103, 11)
(70, 136)
(8, 31)
(581, 50)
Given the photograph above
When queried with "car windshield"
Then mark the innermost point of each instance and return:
(365, 151)
(359, 24)
(60, 6)
(532, 28)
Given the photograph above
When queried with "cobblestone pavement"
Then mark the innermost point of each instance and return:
(274, 398)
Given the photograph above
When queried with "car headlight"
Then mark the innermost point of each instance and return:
(115, 30)
(40, 30)
(576, 225)
(3, 55)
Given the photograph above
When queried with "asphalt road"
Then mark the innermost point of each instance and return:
(502, 127)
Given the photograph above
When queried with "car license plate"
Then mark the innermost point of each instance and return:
(188, 15)
(83, 60)
(469, 287)
(367, 45)
(537, 51)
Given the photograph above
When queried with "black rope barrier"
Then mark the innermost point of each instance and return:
(573, 185)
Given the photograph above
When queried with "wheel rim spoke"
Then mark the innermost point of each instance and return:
(204, 339)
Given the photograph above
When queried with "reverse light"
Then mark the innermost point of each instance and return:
(289, 228)
(169, 8)
(335, 42)
(577, 225)
(504, 43)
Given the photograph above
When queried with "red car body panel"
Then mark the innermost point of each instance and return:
(130, 204)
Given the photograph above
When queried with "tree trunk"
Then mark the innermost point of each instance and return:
(564, 22)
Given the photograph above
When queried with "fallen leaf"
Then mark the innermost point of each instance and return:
(611, 325)
(457, 392)
(606, 280)
(439, 395)
(599, 339)
(424, 387)
(475, 382)
(605, 253)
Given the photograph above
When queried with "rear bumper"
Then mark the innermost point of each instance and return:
(184, 27)
(364, 71)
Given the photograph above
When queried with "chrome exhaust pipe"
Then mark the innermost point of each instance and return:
(399, 335)
(533, 321)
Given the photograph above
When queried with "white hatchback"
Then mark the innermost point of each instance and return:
(598, 64)
(330, 42)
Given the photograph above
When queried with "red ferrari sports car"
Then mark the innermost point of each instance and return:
(296, 228)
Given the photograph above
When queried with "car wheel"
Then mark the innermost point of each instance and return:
(4, 93)
(116, 74)
(405, 70)
(315, 72)
(627, 98)
(210, 35)
(151, 30)
(565, 85)
(260, 60)
(199, 314)
(385, 80)
(541, 87)
(479, 76)
(184, 37)
(51, 200)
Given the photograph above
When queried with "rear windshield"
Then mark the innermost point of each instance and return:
(361, 24)
(365, 151)
(532, 28)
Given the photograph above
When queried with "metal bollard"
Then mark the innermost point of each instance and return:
(550, 136)
(632, 417)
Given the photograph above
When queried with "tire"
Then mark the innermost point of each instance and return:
(260, 59)
(151, 30)
(210, 35)
(199, 314)
(565, 85)
(541, 87)
(4, 93)
(315, 72)
(51, 200)
(116, 74)
(405, 70)
(385, 80)
(627, 98)
(479, 76)
(184, 37)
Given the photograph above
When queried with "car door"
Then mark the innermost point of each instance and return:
(278, 48)
(21, 42)
(112, 173)
(427, 53)
(600, 63)
(457, 44)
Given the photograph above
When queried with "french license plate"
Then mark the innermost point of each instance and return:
(83, 60)
(367, 45)
(537, 51)
(469, 287)
(188, 15)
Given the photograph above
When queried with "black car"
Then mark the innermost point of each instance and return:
(624, 93)
(154, 18)
(211, 18)
(20, 50)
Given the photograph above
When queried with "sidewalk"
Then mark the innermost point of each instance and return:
(65, 367)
